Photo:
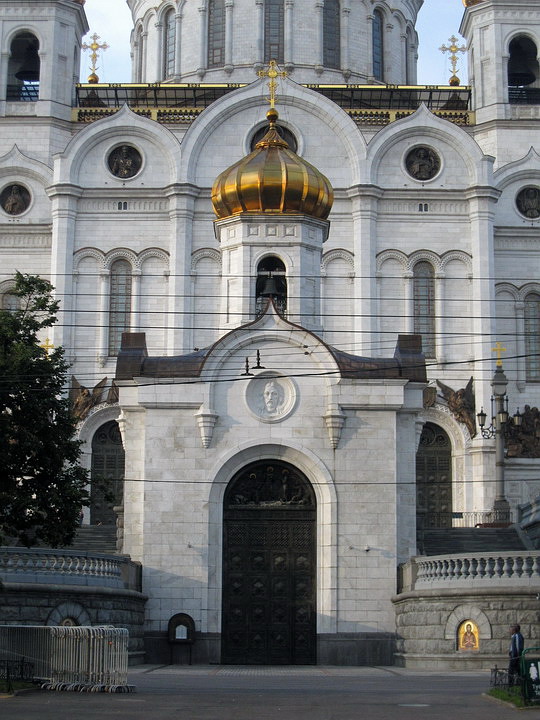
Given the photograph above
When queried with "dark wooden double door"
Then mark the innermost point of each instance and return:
(269, 568)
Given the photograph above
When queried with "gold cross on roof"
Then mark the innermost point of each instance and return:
(498, 350)
(94, 47)
(272, 72)
(47, 345)
(453, 48)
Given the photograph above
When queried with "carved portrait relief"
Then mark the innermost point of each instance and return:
(528, 202)
(422, 163)
(14, 199)
(270, 397)
(124, 161)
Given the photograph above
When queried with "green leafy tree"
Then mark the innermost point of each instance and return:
(42, 485)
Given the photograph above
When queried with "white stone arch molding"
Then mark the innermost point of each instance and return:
(391, 254)
(467, 611)
(86, 252)
(322, 482)
(24, 27)
(152, 252)
(520, 32)
(423, 127)
(512, 290)
(526, 168)
(242, 101)
(202, 254)
(123, 125)
(424, 256)
(524, 290)
(14, 165)
(120, 254)
(459, 255)
(86, 429)
(337, 254)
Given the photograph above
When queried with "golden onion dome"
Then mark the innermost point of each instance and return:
(272, 179)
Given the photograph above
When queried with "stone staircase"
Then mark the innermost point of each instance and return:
(95, 539)
(450, 541)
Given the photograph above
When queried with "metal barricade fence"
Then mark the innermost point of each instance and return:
(70, 658)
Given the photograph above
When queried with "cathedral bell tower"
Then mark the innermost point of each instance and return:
(39, 66)
(503, 41)
(272, 208)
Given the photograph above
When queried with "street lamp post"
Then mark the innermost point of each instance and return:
(501, 507)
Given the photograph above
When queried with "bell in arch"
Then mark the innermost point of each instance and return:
(25, 52)
(522, 63)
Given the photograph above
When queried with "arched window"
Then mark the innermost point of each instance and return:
(8, 300)
(532, 336)
(424, 305)
(274, 12)
(119, 304)
(378, 45)
(271, 283)
(169, 44)
(23, 68)
(216, 33)
(331, 34)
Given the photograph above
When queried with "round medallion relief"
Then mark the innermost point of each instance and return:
(14, 199)
(124, 161)
(422, 163)
(271, 397)
(528, 202)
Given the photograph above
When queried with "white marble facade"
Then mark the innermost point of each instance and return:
(350, 287)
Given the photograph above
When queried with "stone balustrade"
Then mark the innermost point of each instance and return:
(68, 567)
(471, 570)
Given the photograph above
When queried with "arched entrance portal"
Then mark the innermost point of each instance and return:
(107, 476)
(433, 479)
(269, 567)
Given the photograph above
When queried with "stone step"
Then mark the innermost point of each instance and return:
(95, 538)
(470, 540)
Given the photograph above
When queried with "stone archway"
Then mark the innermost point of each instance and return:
(433, 479)
(269, 567)
(107, 474)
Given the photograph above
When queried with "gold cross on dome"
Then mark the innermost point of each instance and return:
(94, 47)
(47, 345)
(498, 350)
(453, 48)
(273, 72)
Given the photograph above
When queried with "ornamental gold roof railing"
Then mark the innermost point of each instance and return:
(182, 103)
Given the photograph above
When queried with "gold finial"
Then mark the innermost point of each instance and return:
(94, 47)
(453, 48)
(47, 345)
(498, 350)
(273, 72)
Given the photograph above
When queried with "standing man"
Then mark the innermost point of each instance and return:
(516, 648)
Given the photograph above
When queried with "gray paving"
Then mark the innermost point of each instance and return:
(274, 693)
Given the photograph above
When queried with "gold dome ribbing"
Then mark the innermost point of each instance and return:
(272, 179)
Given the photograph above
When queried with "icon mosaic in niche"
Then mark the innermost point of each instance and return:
(14, 199)
(468, 638)
(422, 163)
(124, 161)
(528, 202)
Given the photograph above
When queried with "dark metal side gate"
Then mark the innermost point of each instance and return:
(269, 567)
